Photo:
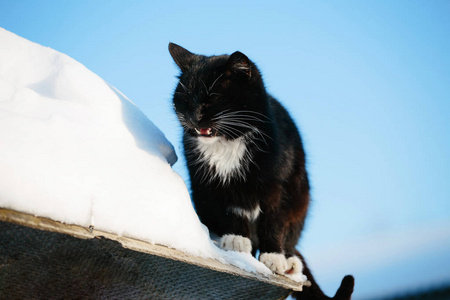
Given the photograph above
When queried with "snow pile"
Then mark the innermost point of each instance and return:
(74, 149)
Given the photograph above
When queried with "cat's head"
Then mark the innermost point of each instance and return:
(218, 96)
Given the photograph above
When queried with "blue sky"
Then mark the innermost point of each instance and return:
(366, 81)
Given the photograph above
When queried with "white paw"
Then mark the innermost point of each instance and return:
(294, 265)
(236, 243)
(276, 262)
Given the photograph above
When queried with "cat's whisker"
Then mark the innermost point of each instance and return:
(220, 113)
(244, 124)
(238, 123)
(252, 141)
(256, 113)
(248, 113)
(239, 116)
(217, 94)
(184, 87)
(233, 133)
(262, 133)
(229, 130)
(244, 118)
(248, 126)
(206, 89)
(212, 85)
(262, 137)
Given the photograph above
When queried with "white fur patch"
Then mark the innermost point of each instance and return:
(208, 140)
(251, 215)
(227, 157)
(236, 243)
(278, 263)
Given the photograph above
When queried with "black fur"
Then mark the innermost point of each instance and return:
(223, 97)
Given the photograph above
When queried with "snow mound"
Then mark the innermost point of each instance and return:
(74, 149)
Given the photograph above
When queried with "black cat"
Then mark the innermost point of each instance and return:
(246, 162)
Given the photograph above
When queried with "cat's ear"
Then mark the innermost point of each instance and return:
(182, 57)
(239, 64)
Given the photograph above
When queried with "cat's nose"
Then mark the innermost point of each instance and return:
(198, 115)
(195, 120)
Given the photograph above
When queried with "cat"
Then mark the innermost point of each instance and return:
(246, 162)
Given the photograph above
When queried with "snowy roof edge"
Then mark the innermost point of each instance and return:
(41, 223)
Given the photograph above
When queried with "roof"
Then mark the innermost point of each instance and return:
(45, 258)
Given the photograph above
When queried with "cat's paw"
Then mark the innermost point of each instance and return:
(236, 243)
(294, 265)
(278, 263)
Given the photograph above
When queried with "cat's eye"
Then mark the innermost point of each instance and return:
(216, 96)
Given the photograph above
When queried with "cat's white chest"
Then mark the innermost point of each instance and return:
(226, 158)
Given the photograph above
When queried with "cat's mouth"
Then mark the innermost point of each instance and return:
(205, 132)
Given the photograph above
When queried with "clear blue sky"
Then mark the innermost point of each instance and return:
(368, 83)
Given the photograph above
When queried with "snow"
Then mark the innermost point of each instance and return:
(76, 150)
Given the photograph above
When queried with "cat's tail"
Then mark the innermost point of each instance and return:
(344, 291)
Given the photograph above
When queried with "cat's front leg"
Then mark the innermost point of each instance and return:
(272, 253)
(271, 235)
